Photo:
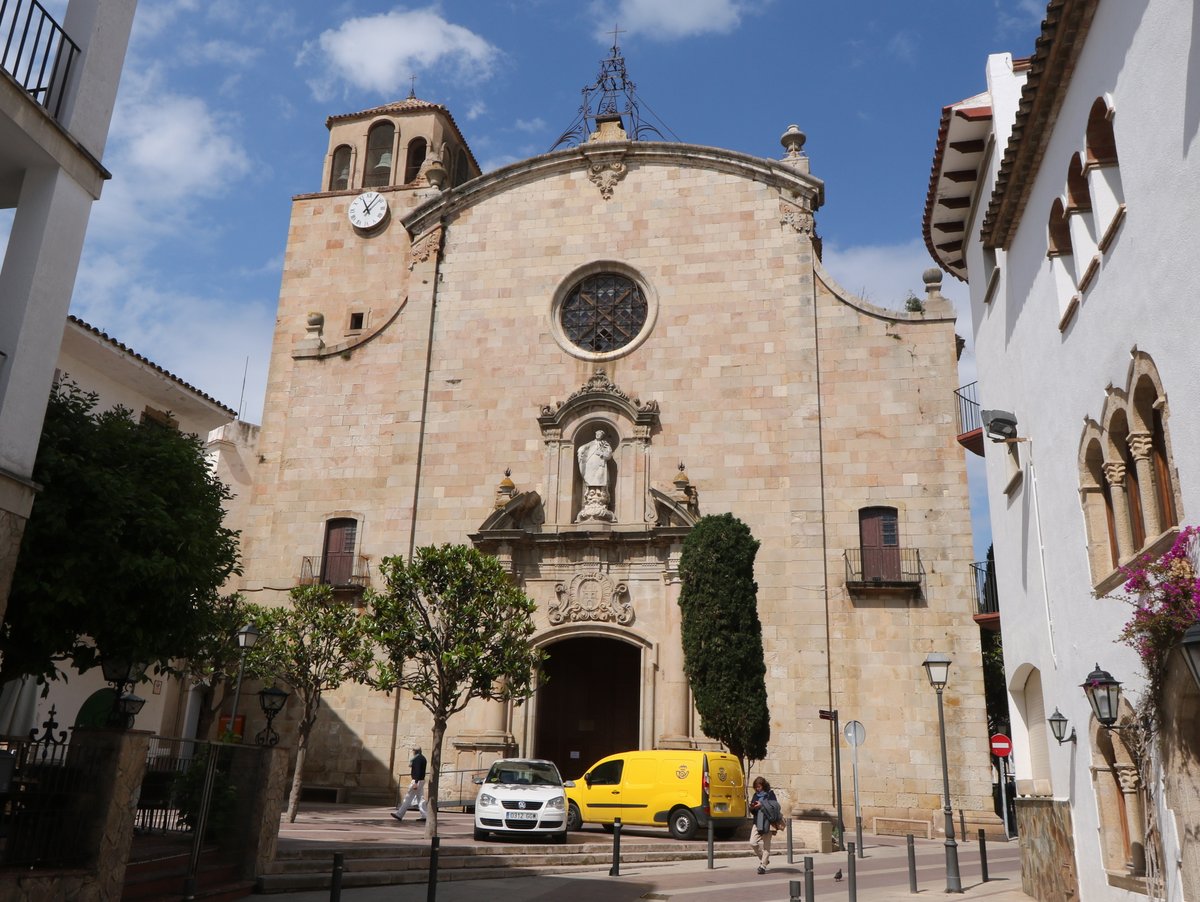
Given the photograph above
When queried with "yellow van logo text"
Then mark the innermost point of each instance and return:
(682, 773)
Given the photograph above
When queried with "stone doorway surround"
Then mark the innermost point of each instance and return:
(615, 579)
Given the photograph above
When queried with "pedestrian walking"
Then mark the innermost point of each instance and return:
(416, 788)
(767, 813)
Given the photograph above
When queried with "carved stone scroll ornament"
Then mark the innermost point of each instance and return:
(591, 596)
(796, 216)
(425, 247)
(606, 175)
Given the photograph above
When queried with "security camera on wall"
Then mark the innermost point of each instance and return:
(999, 425)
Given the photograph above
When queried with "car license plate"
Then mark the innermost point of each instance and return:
(522, 815)
(721, 806)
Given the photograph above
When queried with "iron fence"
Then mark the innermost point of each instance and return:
(38, 54)
(969, 418)
(986, 598)
(46, 797)
(888, 565)
(340, 571)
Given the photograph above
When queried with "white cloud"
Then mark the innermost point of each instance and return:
(379, 53)
(476, 109)
(532, 126)
(669, 19)
(1019, 15)
(224, 53)
(903, 46)
(167, 152)
(203, 340)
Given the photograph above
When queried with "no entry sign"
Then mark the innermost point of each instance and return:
(1001, 746)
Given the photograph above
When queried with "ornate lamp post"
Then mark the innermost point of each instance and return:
(1104, 695)
(1058, 726)
(121, 672)
(271, 700)
(247, 636)
(937, 666)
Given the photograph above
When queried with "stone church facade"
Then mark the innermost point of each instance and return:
(567, 362)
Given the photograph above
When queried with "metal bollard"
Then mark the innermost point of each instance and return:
(851, 874)
(710, 843)
(983, 854)
(810, 892)
(912, 865)
(794, 891)
(962, 825)
(791, 857)
(335, 880)
(858, 835)
(431, 893)
(615, 870)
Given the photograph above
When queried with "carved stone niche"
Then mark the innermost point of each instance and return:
(591, 596)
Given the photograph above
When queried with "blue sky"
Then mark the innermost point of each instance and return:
(221, 119)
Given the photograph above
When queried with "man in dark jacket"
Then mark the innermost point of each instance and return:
(416, 788)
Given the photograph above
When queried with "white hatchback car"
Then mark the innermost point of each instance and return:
(522, 796)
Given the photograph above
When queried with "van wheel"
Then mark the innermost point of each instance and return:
(683, 824)
(574, 818)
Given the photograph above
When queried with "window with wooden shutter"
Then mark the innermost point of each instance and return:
(337, 561)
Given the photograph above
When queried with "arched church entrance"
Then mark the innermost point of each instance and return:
(588, 705)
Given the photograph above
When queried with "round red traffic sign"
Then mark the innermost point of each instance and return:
(1001, 746)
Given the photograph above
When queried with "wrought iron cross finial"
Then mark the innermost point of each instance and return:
(412, 89)
(616, 31)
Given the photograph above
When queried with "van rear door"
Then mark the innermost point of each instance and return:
(726, 789)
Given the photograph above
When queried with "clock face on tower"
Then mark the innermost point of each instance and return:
(367, 210)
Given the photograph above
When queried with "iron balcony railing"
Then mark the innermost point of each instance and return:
(38, 54)
(341, 570)
(986, 598)
(885, 566)
(968, 408)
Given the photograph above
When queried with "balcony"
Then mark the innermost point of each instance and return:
(987, 601)
(886, 569)
(36, 53)
(342, 571)
(970, 424)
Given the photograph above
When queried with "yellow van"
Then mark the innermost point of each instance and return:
(675, 788)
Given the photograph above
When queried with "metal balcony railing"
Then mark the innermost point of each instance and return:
(341, 570)
(887, 566)
(986, 599)
(37, 53)
(968, 408)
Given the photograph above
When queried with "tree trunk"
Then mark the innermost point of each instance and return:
(298, 775)
(434, 777)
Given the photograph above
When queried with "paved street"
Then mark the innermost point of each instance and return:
(881, 875)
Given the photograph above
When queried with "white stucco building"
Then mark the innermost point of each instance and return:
(1067, 193)
(58, 84)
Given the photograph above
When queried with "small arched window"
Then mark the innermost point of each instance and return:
(1101, 143)
(1163, 485)
(339, 169)
(417, 149)
(462, 170)
(1079, 198)
(1059, 230)
(378, 169)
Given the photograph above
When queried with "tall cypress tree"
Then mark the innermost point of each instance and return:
(722, 635)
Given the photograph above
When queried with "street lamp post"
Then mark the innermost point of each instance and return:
(937, 666)
(246, 637)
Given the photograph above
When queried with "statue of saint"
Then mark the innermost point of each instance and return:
(593, 460)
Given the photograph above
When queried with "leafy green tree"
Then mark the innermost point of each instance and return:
(125, 543)
(217, 656)
(452, 627)
(722, 635)
(314, 644)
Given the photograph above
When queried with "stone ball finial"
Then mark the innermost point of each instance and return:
(681, 479)
(506, 482)
(793, 141)
(932, 277)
